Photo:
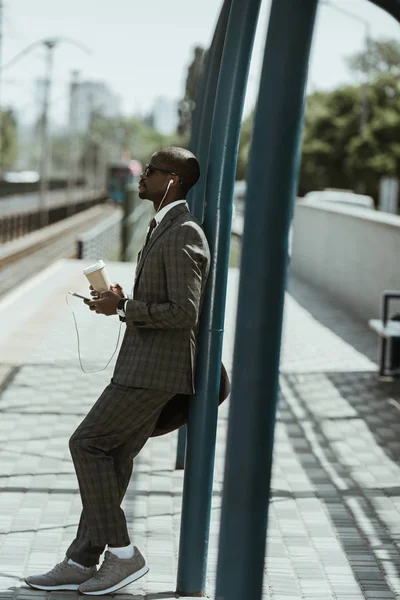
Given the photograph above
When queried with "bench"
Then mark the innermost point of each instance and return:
(387, 330)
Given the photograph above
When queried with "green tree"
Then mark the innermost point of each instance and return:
(59, 155)
(334, 151)
(336, 154)
(377, 58)
(331, 121)
(9, 140)
(124, 135)
(106, 141)
(377, 153)
(188, 102)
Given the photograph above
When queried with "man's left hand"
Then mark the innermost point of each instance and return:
(106, 304)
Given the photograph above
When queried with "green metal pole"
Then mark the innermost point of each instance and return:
(272, 175)
(193, 145)
(126, 230)
(206, 112)
(202, 422)
(181, 449)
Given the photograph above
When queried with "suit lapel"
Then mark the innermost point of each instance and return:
(158, 232)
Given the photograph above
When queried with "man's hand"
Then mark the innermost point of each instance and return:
(114, 287)
(106, 304)
(117, 289)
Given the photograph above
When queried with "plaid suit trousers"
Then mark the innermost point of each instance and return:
(103, 448)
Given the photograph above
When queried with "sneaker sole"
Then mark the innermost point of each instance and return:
(51, 588)
(118, 586)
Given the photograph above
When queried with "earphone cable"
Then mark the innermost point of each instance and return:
(79, 344)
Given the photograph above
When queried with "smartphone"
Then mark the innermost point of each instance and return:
(79, 296)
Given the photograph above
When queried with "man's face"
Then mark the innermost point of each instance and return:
(154, 180)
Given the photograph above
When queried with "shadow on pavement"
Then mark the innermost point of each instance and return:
(40, 454)
(41, 490)
(340, 427)
(25, 593)
(36, 529)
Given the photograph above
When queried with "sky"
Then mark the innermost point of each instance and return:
(142, 48)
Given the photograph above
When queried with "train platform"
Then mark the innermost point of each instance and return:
(334, 529)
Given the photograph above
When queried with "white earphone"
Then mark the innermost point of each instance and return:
(170, 182)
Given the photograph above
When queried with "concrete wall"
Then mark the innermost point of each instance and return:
(352, 253)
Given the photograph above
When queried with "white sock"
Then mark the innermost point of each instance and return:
(124, 552)
(72, 562)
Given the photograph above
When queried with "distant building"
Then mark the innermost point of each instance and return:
(87, 97)
(165, 115)
(93, 97)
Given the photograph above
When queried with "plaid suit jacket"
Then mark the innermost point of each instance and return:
(159, 346)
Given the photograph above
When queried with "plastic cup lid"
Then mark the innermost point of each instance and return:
(96, 267)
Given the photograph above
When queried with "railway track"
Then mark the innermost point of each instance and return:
(33, 260)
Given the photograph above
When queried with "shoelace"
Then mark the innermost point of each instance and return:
(105, 567)
(59, 567)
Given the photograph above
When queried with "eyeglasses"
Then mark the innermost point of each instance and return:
(149, 169)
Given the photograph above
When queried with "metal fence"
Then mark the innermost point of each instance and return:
(135, 224)
(20, 223)
(102, 240)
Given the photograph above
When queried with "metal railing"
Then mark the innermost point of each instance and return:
(102, 240)
(15, 225)
(121, 235)
(135, 225)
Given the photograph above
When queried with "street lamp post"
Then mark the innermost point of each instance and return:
(49, 44)
(73, 146)
(1, 115)
(45, 141)
(44, 135)
(364, 103)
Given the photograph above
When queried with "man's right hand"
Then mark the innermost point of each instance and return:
(114, 287)
(93, 292)
(117, 289)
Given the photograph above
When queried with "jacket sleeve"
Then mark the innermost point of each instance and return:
(183, 258)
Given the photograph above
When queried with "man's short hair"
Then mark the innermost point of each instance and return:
(182, 162)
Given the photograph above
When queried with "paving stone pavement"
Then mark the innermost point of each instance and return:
(334, 527)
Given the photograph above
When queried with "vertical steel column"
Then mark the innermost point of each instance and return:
(1, 86)
(199, 144)
(272, 177)
(197, 492)
(127, 227)
(193, 145)
(45, 142)
(206, 114)
(181, 449)
(72, 142)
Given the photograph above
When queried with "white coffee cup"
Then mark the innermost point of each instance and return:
(97, 277)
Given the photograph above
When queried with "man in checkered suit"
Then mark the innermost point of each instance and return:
(155, 362)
